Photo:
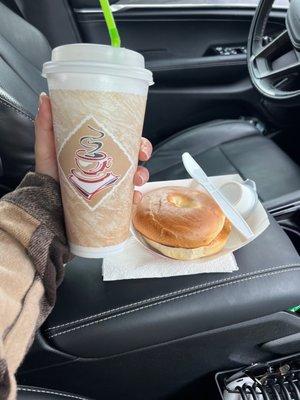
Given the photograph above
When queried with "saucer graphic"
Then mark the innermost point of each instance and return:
(90, 187)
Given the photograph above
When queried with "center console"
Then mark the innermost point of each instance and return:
(154, 337)
(286, 211)
(277, 379)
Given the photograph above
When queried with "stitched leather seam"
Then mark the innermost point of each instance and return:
(145, 301)
(69, 396)
(172, 299)
(230, 161)
(18, 111)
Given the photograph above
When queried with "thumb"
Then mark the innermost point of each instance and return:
(45, 156)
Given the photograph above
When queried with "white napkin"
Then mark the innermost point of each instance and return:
(137, 262)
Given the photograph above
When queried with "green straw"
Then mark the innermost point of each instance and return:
(110, 23)
(295, 309)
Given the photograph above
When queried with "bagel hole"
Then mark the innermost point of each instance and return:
(182, 201)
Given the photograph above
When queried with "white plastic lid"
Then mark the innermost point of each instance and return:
(95, 58)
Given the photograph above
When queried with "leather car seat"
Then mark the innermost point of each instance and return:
(34, 393)
(220, 146)
(231, 147)
(129, 339)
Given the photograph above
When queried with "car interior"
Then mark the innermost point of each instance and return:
(227, 90)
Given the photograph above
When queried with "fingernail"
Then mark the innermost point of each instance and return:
(137, 197)
(144, 147)
(139, 180)
(41, 97)
(144, 154)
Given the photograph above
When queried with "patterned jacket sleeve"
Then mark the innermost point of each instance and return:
(33, 249)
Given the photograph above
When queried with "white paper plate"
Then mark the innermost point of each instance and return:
(258, 220)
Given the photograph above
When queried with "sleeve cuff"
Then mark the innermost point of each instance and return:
(39, 196)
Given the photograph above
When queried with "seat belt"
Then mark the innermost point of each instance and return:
(20, 6)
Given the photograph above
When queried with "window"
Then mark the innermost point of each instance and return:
(278, 3)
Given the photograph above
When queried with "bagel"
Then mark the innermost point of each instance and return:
(181, 223)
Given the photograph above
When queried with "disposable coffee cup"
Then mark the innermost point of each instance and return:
(98, 96)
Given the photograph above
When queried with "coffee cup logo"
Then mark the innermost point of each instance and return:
(92, 161)
(91, 174)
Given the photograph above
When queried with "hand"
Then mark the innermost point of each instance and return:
(45, 157)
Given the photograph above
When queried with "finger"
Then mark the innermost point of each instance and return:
(145, 150)
(141, 176)
(43, 127)
(44, 139)
(137, 197)
(43, 119)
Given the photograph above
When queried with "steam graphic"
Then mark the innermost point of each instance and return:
(91, 174)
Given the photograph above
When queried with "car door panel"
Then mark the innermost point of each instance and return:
(193, 84)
